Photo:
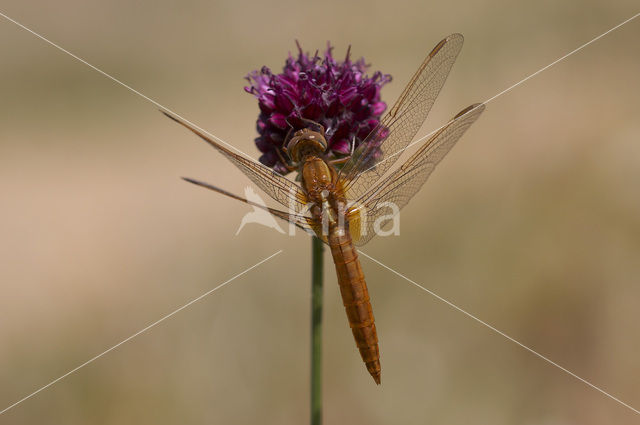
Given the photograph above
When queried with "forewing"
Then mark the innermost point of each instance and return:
(381, 149)
(402, 184)
(303, 222)
(275, 185)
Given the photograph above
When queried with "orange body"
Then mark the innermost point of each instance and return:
(366, 179)
(320, 183)
(355, 298)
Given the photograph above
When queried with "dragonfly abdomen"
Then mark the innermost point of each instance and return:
(355, 298)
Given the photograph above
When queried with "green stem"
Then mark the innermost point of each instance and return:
(317, 251)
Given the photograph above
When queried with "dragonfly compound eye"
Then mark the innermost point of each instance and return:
(306, 142)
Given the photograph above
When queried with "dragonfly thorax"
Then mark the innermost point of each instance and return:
(318, 178)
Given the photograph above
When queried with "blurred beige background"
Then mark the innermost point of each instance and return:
(532, 223)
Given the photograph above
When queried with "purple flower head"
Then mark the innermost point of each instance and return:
(337, 94)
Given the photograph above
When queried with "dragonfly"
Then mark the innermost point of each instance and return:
(341, 205)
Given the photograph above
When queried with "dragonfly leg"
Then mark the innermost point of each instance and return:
(339, 160)
(312, 123)
(299, 220)
(346, 158)
(284, 162)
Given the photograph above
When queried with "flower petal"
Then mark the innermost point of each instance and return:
(342, 146)
(339, 95)
(278, 120)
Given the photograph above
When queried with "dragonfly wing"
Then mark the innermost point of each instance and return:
(275, 185)
(303, 222)
(382, 147)
(402, 184)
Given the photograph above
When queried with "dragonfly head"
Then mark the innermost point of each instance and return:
(304, 143)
